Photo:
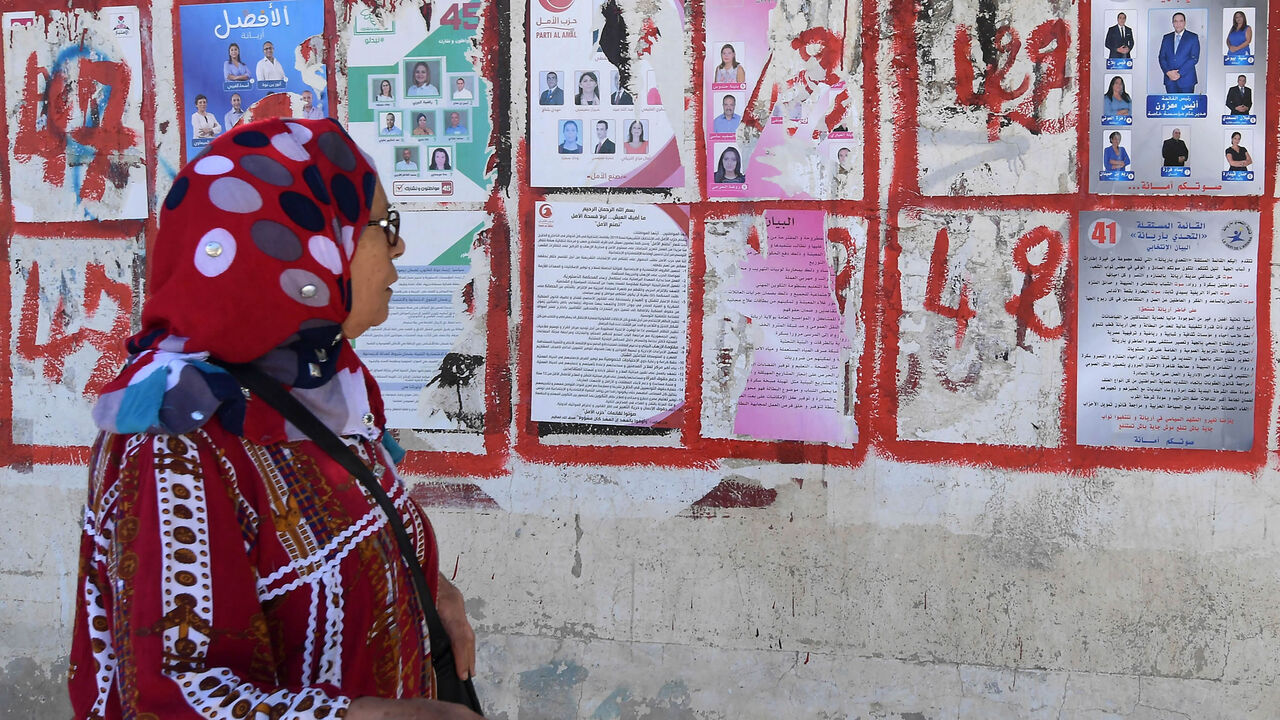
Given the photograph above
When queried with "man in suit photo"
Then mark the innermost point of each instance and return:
(604, 146)
(554, 94)
(1240, 97)
(1119, 39)
(1174, 150)
(1179, 53)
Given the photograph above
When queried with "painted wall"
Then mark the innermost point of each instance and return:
(964, 558)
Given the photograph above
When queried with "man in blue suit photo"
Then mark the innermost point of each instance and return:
(1179, 53)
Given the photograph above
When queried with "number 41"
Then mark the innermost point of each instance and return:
(467, 19)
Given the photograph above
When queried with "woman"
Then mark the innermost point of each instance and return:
(636, 143)
(229, 567)
(1115, 157)
(421, 85)
(1240, 37)
(440, 160)
(386, 93)
(729, 71)
(588, 90)
(1116, 101)
(728, 168)
(233, 69)
(1238, 158)
(421, 126)
(569, 138)
(203, 123)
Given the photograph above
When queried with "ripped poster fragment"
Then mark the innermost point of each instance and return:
(429, 355)
(73, 91)
(235, 54)
(783, 341)
(606, 93)
(418, 103)
(610, 314)
(780, 103)
(1168, 329)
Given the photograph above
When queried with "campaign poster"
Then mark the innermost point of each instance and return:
(1177, 98)
(418, 103)
(606, 93)
(73, 89)
(234, 54)
(610, 314)
(780, 107)
(1168, 328)
(429, 355)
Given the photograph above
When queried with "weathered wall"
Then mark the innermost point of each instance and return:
(964, 558)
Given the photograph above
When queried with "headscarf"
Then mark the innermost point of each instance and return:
(252, 263)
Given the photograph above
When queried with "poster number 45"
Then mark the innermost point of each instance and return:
(468, 19)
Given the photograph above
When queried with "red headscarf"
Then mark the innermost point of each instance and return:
(252, 262)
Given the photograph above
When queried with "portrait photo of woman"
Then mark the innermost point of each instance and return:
(422, 125)
(729, 70)
(420, 81)
(1240, 36)
(1115, 157)
(1117, 102)
(386, 91)
(729, 167)
(588, 89)
(570, 138)
(1238, 157)
(637, 142)
(233, 69)
(203, 123)
(440, 160)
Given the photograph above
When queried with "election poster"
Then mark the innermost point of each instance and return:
(1177, 98)
(606, 93)
(1168, 326)
(73, 89)
(780, 106)
(418, 103)
(234, 54)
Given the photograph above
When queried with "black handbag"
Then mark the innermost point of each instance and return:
(448, 687)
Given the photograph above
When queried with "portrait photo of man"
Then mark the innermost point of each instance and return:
(1240, 97)
(553, 94)
(1174, 150)
(1179, 53)
(604, 146)
(1119, 40)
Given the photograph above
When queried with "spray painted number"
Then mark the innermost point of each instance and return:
(468, 19)
(61, 344)
(1047, 52)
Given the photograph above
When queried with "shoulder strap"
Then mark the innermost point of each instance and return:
(272, 393)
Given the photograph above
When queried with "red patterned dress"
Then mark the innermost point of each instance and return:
(220, 578)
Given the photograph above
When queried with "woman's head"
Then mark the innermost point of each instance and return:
(570, 132)
(1235, 138)
(421, 121)
(729, 162)
(1239, 21)
(233, 52)
(1114, 137)
(440, 159)
(257, 242)
(728, 56)
(1116, 89)
(421, 74)
(202, 102)
(635, 131)
(587, 84)
(384, 88)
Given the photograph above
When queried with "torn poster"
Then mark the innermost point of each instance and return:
(418, 104)
(235, 54)
(610, 313)
(429, 355)
(782, 342)
(1177, 98)
(74, 99)
(606, 93)
(780, 103)
(1168, 327)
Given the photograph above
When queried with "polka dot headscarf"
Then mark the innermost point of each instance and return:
(256, 238)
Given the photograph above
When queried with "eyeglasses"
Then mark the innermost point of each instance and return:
(390, 226)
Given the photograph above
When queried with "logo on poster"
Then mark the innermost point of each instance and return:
(122, 27)
(1237, 235)
(544, 216)
(556, 6)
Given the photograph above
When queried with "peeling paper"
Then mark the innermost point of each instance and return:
(74, 93)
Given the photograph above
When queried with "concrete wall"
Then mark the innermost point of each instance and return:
(963, 559)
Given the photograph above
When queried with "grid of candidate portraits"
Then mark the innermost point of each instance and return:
(1177, 110)
(588, 128)
(424, 114)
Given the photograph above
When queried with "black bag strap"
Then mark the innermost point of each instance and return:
(274, 394)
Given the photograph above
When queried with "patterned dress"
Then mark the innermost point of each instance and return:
(220, 578)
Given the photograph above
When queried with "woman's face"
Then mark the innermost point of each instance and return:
(730, 162)
(843, 156)
(422, 122)
(385, 88)
(1238, 19)
(440, 158)
(420, 74)
(727, 56)
(636, 131)
(201, 104)
(1117, 87)
(372, 273)
(587, 84)
(571, 133)
(1235, 139)
(1115, 140)
(234, 51)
